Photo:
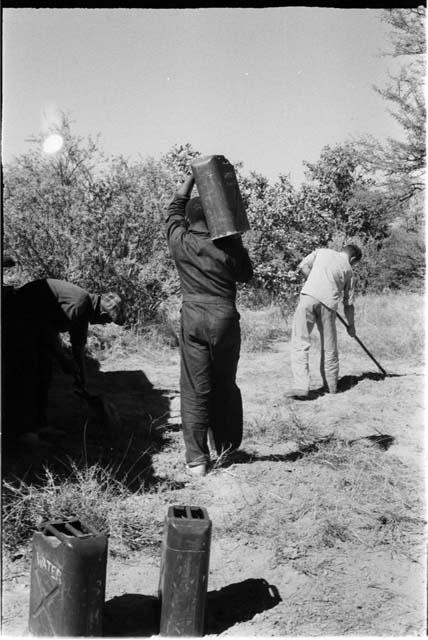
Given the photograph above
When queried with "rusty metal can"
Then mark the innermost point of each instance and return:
(184, 571)
(221, 198)
(68, 578)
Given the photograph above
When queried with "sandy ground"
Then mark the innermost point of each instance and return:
(253, 590)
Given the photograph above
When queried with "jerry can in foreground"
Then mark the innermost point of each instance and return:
(68, 577)
(220, 196)
(184, 571)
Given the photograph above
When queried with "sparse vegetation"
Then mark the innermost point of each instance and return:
(361, 490)
(392, 323)
(323, 488)
(98, 222)
(341, 492)
(305, 492)
(358, 497)
(94, 491)
(260, 329)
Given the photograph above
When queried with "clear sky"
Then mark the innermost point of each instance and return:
(268, 87)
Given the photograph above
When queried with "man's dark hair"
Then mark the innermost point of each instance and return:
(112, 304)
(194, 211)
(353, 251)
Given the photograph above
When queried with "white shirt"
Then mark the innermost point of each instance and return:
(330, 278)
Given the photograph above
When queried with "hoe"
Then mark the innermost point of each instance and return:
(363, 347)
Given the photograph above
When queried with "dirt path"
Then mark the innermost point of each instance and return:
(259, 585)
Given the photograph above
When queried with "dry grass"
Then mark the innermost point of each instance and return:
(274, 428)
(340, 493)
(114, 342)
(362, 494)
(93, 493)
(391, 325)
(260, 329)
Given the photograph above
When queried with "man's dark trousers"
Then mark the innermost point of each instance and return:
(209, 344)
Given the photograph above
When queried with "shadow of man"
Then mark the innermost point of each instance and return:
(382, 440)
(87, 434)
(141, 412)
(345, 383)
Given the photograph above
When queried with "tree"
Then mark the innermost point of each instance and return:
(93, 221)
(402, 162)
(340, 196)
(271, 240)
(46, 198)
(338, 199)
(402, 260)
(178, 159)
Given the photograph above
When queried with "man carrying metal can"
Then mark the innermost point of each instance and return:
(210, 335)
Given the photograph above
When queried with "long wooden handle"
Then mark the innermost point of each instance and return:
(362, 346)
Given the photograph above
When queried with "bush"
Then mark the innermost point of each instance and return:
(93, 222)
(98, 222)
(402, 260)
(93, 491)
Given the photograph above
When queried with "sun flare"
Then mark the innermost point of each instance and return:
(52, 143)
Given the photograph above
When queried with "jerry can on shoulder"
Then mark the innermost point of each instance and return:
(221, 198)
(184, 571)
(68, 577)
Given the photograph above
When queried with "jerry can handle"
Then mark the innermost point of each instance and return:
(57, 534)
(49, 526)
(74, 531)
(90, 528)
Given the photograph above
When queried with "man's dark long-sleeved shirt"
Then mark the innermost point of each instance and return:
(59, 306)
(205, 268)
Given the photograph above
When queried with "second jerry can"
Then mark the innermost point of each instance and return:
(184, 571)
(221, 198)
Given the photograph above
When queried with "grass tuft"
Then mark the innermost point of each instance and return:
(391, 326)
(259, 329)
(92, 493)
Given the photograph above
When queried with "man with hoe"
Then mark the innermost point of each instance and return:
(210, 332)
(329, 278)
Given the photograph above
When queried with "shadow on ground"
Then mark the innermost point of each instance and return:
(383, 441)
(133, 615)
(77, 433)
(345, 383)
(239, 602)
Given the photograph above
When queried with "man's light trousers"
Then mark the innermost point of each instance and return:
(309, 312)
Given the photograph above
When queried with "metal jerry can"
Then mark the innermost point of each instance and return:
(68, 578)
(184, 571)
(220, 196)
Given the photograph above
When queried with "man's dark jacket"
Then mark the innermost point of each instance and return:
(205, 267)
